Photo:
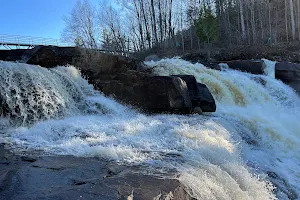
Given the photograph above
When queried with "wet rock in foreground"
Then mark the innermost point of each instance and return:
(69, 177)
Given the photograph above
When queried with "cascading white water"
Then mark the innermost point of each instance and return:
(223, 155)
(263, 110)
(32, 93)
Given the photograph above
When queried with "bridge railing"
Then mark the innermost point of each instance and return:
(30, 41)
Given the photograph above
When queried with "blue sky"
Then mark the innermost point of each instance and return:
(38, 18)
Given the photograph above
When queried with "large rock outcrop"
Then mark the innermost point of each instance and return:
(127, 80)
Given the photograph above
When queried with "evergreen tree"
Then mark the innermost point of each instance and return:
(206, 25)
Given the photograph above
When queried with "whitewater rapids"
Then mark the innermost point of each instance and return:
(224, 155)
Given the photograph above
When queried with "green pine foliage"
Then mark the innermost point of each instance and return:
(206, 25)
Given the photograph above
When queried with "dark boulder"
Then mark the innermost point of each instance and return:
(287, 71)
(11, 55)
(155, 94)
(149, 93)
(199, 94)
(168, 93)
(207, 101)
(192, 88)
(295, 85)
(212, 65)
(195, 57)
(51, 56)
(249, 66)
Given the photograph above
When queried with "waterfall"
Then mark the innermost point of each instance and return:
(228, 154)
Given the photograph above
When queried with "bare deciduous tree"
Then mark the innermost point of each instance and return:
(80, 25)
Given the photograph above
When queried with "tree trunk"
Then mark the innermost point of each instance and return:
(148, 37)
(242, 21)
(253, 22)
(276, 23)
(140, 25)
(152, 24)
(191, 36)
(298, 5)
(228, 25)
(286, 21)
(292, 19)
(160, 21)
(170, 21)
(182, 41)
(270, 21)
(154, 21)
(165, 24)
(261, 23)
(247, 27)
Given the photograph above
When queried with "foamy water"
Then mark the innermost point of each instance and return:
(222, 155)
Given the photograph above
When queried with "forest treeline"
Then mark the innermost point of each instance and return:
(139, 25)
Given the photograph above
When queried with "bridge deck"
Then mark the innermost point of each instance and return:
(27, 41)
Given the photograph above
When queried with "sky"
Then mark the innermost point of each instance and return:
(36, 18)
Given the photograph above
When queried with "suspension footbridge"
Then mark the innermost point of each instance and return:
(17, 41)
